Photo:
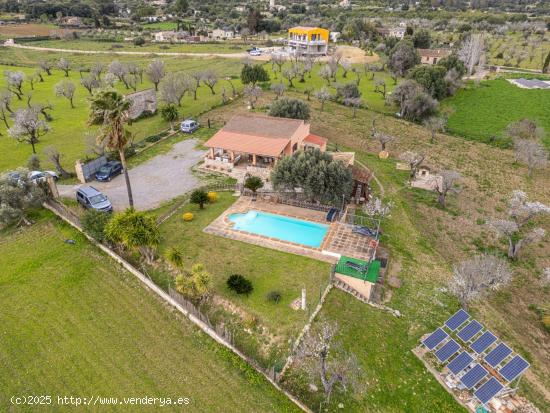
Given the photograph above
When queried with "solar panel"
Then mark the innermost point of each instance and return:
(457, 319)
(445, 352)
(499, 353)
(469, 331)
(514, 368)
(460, 362)
(482, 342)
(489, 390)
(435, 338)
(473, 376)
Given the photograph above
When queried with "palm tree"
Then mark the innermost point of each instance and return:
(109, 108)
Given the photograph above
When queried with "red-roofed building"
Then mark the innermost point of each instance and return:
(259, 140)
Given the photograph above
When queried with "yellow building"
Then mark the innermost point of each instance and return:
(311, 41)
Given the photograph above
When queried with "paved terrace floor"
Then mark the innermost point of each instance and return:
(339, 239)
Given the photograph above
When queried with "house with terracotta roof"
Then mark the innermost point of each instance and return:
(432, 56)
(259, 141)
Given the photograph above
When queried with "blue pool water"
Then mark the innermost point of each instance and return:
(281, 227)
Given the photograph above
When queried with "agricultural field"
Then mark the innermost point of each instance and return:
(25, 30)
(517, 50)
(425, 241)
(148, 47)
(269, 270)
(483, 112)
(89, 329)
(69, 130)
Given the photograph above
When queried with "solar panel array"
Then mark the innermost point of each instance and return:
(447, 351)
(514, 368)
(483, 342)
(435, 338)
(457, 320)
(474, 376)
(470, 333)
(488, 390)
(498, 354)
(460, 362)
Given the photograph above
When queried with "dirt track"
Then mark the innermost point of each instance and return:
(351, 53)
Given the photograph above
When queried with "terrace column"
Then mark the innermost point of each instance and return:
(253, 159)
(211, 153)
(232, 156)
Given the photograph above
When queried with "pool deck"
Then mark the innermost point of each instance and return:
(339, 238)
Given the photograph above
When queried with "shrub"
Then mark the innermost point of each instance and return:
(250, 321)
(33, 163)
(253, 74)
(239, 284)
(139, 41)
(274, 296)
(290, 108)
(174, 257)
(94, 222)
(253, 183)
(188, 216)
(152, 138)
(212, 197)
(199, 197)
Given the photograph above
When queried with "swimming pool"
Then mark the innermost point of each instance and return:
(280, 227)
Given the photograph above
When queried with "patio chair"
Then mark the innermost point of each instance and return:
(366, 231)
(331, 214)
(358, 267)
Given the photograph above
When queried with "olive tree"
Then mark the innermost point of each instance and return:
(155, 72)
(46, 66)
(28, 127)
(54, 156)
(531, 153)
(435, 124)
(517, 229)
(290, 108)
(252, 93)
(474, 277)
(14, 81)
(66, 89)
(322, 96)
(173, 88)
(414, 160)
(210, 78)
(319, 177)
(324, 358)
(446, 183)
(17, 197)
(64, 65)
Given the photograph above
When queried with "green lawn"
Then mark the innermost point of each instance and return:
(74, 323)
(148, 47)
(69, 129)
(371, 99)
(485, 111)
(267, 269)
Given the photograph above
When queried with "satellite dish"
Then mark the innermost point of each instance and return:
(383, 155)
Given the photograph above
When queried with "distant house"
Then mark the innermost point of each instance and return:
(171, 36)
(258, 140)
(142, 103)
(71, 21)
(308, 41)
(397, 32)
(223, 33)
(432, 56)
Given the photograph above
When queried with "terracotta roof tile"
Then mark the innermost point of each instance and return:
(266, 126)
(315, 139)
(240, 142)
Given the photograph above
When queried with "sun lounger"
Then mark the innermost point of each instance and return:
(357, 267)
(366, 231)
(331, 214)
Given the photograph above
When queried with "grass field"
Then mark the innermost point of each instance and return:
(148, 47)
(424, 242)
(69, 129)
(268, 270)
(89, 329)
(480, 113)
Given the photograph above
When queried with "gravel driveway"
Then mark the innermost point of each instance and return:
(156, 181)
